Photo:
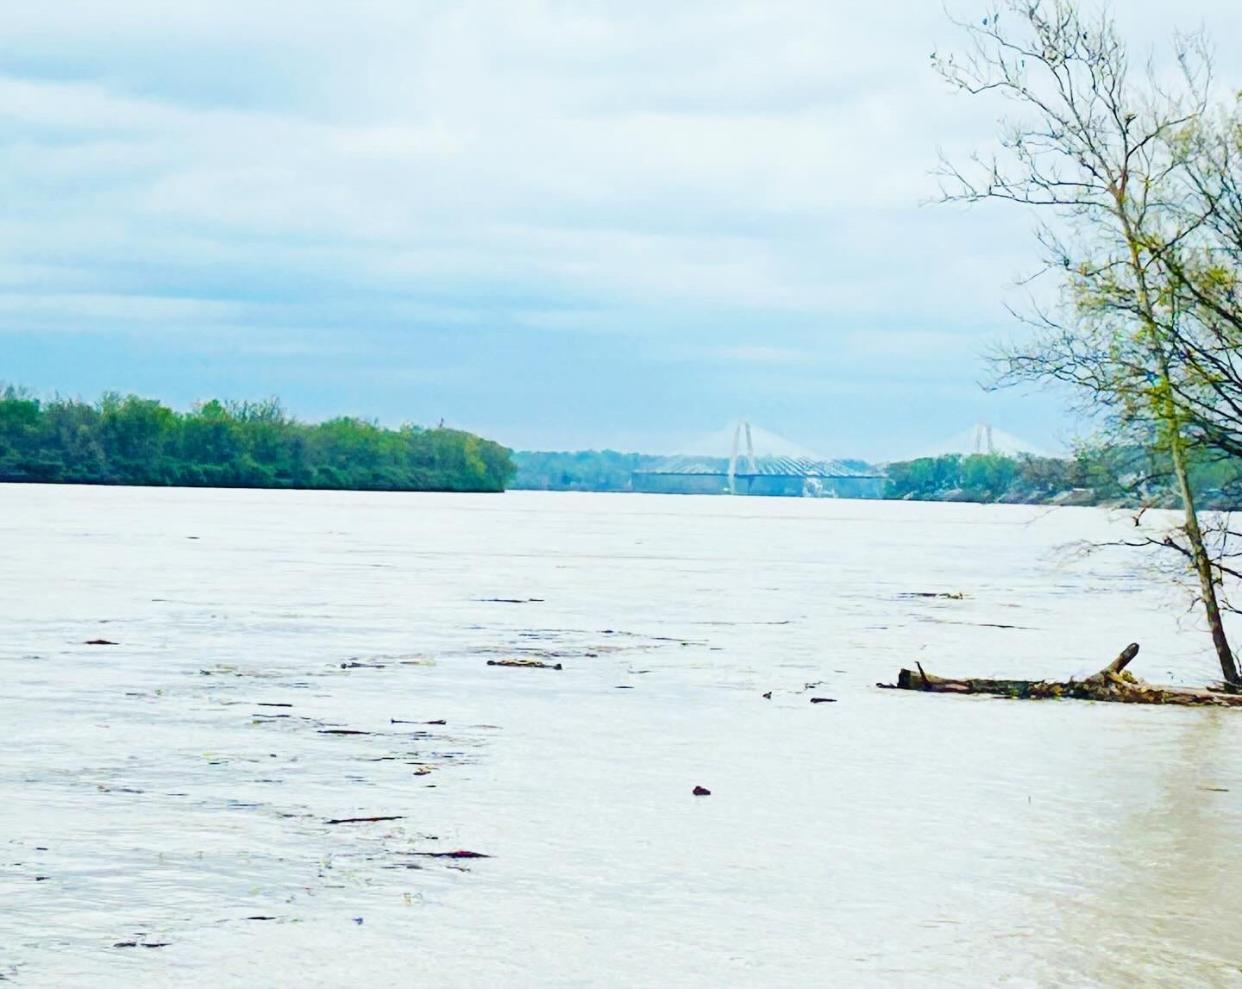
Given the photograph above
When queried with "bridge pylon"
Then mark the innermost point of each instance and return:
(751, 465)
(983, 438)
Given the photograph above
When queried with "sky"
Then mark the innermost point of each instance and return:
(588, 224)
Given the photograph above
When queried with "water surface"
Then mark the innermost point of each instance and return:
(174, 788)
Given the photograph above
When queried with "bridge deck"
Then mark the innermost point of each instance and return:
(790, 467)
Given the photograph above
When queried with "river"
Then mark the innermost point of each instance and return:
(283, 660)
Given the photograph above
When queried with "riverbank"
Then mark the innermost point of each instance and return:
(1108, 478)
(128, 440)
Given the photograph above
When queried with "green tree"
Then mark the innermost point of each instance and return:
(131, 440)
(1108, 159)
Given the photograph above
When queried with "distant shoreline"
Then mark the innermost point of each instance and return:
(129, 440)
(8, 482)
(1074, 499)
(1107, 477)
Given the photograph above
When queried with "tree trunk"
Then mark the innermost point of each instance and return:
(1172, 420)
(1203, 565)
(1110, 684)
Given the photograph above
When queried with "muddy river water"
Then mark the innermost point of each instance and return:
(180, 807)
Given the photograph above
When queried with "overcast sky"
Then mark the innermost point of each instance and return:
(563, 224)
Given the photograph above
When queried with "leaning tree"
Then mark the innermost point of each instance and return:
(1123, 167)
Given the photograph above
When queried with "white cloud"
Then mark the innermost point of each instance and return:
(739, 169)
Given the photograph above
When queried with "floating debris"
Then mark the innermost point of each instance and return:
(947, 621)
(460, 853)
(100, 642)
(364, 820)
(531, 664)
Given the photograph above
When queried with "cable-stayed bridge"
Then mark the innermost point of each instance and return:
(759, 469)
(984, 438)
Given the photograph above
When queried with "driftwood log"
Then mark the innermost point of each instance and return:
(1113, 683)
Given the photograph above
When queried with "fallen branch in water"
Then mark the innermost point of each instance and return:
(460, 853)
(526, 664)
(364, 820)
(1113, 683)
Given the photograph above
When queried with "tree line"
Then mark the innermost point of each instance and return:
(1093, 475)
(579, 470)
(125, 439)
(1116, 476)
